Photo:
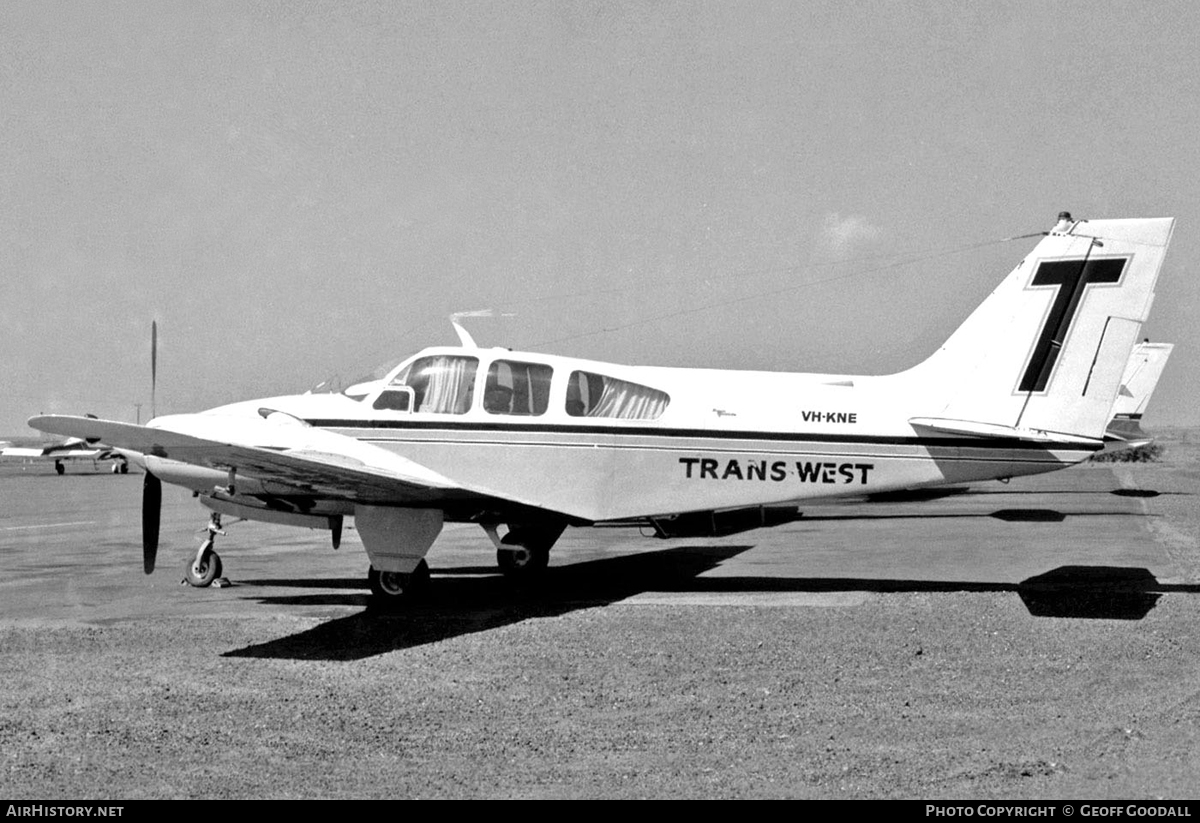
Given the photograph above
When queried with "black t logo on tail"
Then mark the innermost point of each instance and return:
(1071, 277)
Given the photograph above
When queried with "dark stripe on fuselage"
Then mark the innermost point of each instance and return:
(715, 434)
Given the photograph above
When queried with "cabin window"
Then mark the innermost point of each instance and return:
(517, 388)
(596, 395)
(394, 398)
(441, 384)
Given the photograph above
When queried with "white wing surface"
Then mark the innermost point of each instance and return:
(308, 458)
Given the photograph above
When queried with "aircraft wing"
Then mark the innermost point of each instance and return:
(279, 449)
(29, 452)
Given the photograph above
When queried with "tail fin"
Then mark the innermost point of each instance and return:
(1045, 352)
(1145, 366)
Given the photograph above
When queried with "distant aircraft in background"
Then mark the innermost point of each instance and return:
(526, 444)
(74, 448)
(1145, 366)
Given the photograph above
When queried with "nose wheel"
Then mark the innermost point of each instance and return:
(206, 568)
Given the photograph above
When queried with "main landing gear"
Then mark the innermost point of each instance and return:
(524, 552)
(392, 590)
(206, 567)
(522, 562)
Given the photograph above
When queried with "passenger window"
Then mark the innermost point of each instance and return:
(519, 388)
(441, 384)
(595, 395)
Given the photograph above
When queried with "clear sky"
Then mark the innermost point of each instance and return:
(296, 190)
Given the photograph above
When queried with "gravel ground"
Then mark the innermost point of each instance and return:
(912, 694)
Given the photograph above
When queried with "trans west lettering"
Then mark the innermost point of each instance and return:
(710, 468)
(829, 417)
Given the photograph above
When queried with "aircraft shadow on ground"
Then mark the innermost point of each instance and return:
(1095, 592)
(462, 601)
(1016, 515)
(939, 493)
(468, 599)
(465, 600)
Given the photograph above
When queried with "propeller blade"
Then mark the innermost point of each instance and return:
(151, 513)
(335, 526)
(153, 366)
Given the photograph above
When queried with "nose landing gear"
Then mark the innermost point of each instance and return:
(206, 568)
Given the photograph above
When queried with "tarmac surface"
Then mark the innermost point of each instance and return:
(71, 552)
(1087, 575)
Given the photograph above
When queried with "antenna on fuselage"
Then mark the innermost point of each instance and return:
(464, 336)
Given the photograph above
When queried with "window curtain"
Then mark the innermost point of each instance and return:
(629, 401)
(451, 381)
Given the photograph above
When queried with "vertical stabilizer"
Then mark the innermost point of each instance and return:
(1145, 366)
(1045, 352)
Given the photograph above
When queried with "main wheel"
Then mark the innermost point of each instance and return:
(59, 467)
(522, 562)
(392, 590)
(205, 572)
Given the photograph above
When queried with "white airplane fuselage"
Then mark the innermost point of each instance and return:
(726, 439)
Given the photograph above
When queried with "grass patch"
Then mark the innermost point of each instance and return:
(1150, 453)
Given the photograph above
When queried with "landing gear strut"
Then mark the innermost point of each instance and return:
(206, 567)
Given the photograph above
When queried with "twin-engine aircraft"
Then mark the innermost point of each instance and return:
(74, 448)
(526, 444)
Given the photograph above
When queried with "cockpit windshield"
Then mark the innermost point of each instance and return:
(358, 387)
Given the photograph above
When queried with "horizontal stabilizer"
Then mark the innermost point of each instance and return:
(973, 428)
(1125, 432)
